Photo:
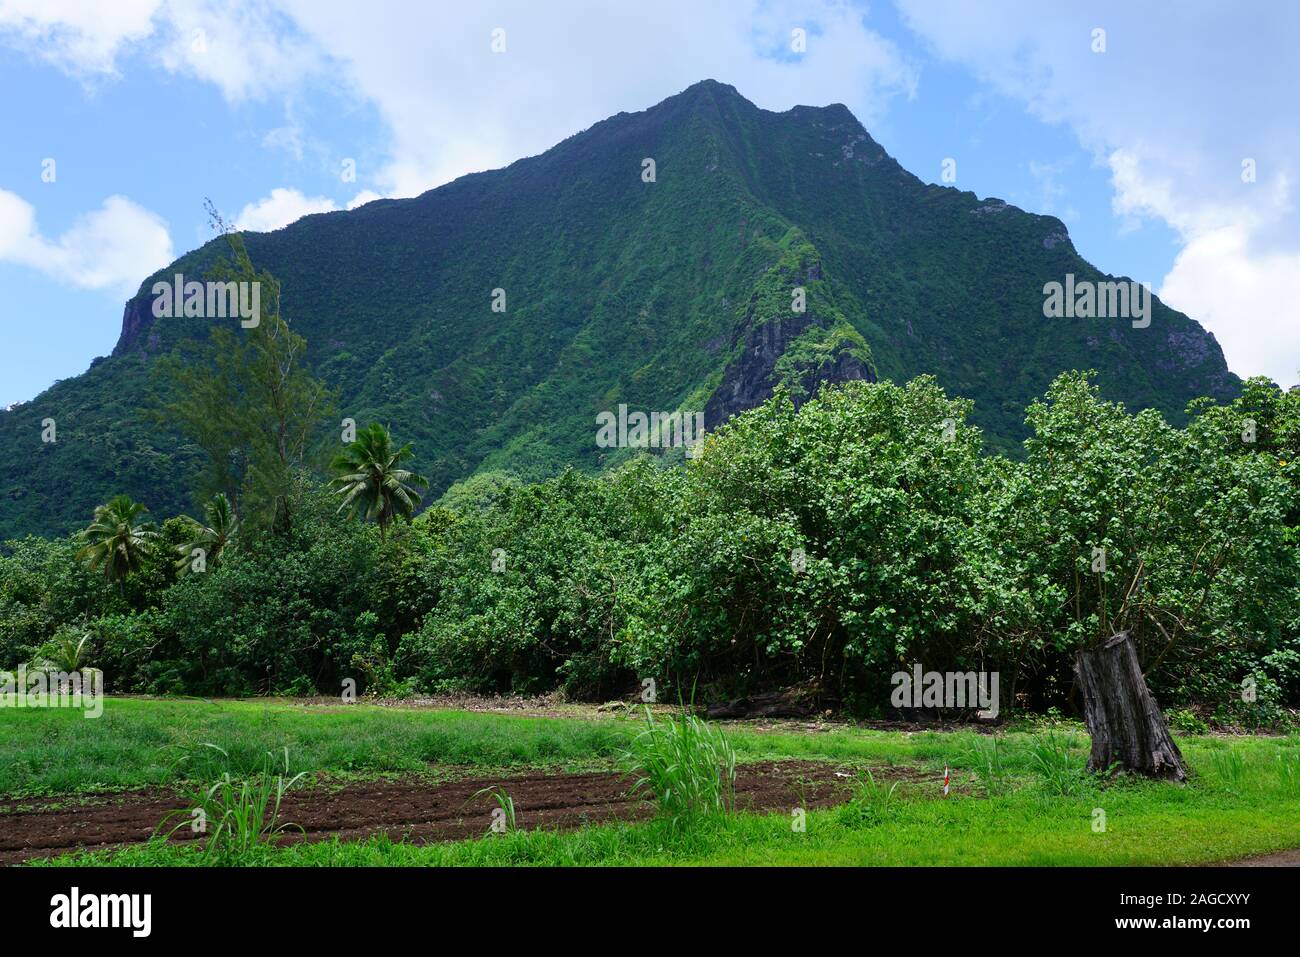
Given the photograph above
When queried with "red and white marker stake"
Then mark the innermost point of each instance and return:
(945, 780)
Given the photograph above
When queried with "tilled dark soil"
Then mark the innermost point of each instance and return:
(411, 809)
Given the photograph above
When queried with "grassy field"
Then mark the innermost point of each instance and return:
(1020, 797)
(142, 742)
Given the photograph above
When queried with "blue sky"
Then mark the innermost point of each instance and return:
(146, 107)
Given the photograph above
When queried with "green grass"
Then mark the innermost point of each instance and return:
(988, 759)
(1020, 797)
(142, 742)
(871, 804)
(1053, 759)
(503, 818)
(139, 742)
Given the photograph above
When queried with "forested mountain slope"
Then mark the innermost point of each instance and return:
(674, 294)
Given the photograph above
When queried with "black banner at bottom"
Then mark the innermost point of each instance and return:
(307, 906)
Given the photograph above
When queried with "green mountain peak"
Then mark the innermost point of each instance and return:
(655, 260)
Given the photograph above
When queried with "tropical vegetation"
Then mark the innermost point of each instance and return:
(831, 545)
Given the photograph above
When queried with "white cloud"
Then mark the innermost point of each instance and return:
(285, 206)
(80, 36)
(248, 49)
(1181, 96)
(287, 138)
(363, 197)
(281, 208)
(1250, 295)
(111, 248)
(453, 106)
(1051, 191)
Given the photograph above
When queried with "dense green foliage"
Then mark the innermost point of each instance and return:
(209, 538)
(831, 544)
(616, 291)
(828, 537)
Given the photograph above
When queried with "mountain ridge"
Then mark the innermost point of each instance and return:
(660, 295)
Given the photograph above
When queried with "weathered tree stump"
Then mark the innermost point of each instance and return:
(1127, 727)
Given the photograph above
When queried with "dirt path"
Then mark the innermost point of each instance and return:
(415, 810)
(1289, 858)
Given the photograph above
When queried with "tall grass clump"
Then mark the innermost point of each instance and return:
(237, 815)
(1061, 772)
(688, 765)
(989, 759)
(871, 803)
(1287, 766)
(505, 804)
(1230, 768)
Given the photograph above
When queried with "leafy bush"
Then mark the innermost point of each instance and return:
(825, 544)
(1186, 722)
(531, 590)
(828, 545)
(280, 613)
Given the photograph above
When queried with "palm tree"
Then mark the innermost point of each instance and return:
(68, 652)
(117, 540)
(370, 481)
(212, 538)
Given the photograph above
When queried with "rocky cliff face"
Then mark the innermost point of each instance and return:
(751, 378)
(137, 320)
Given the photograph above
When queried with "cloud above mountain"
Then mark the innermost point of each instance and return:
(1192, 110)
(110, 248)
(1179, 98)
(457, 96)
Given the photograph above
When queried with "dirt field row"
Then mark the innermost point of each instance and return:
(413, 809)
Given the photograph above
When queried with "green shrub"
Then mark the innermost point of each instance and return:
(1186, 722)
(915, 547)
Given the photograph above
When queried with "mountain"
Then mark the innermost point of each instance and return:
(664, 295)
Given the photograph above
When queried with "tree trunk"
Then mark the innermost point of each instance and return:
(1126, 725)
